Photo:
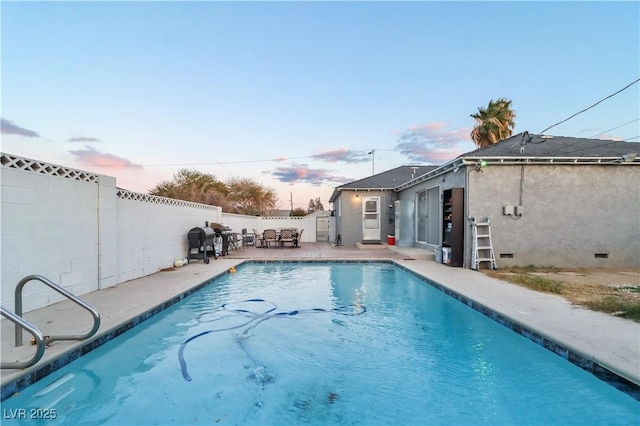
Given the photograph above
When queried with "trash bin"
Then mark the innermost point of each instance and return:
(438, 251)
(446, 255)
(391, 240)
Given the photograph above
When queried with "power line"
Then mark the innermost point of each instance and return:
(614, 128)
(216, 163)
(635, 137)
(588, 108)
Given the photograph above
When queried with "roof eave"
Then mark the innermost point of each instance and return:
(547, 160)
(445, 168)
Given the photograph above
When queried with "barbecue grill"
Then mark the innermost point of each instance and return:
(201, 244)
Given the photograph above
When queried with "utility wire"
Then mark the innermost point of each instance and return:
(635, 137)
(217, 163)
(614, 128)
(588, 108)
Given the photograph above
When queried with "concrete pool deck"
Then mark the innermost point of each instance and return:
(608, 341)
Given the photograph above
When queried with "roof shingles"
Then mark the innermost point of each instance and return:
(531, 145)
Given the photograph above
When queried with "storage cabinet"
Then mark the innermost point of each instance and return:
(453, 226)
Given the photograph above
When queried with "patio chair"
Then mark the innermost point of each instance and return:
(234, 241)
(258, 238)
(270, 236)
(248, 239)
(296, 241)
(286, 236)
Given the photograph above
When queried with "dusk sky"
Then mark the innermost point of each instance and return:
(296, 95)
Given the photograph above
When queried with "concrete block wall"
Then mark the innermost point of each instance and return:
(151, 235)
(48, 228)
(237, 222)
(108, 232)
(82, 232)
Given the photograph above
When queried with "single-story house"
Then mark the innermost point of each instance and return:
(365, 209)
(550, 200)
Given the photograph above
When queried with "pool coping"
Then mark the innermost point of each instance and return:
(599, 368)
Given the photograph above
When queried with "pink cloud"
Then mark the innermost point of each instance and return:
(433, 143)
(301, 173)
(83, 139)
(435, 126)
(91, 157)
(342, 154)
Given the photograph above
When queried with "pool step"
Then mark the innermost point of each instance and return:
(55, 399)
(57, 395)
(55, 384)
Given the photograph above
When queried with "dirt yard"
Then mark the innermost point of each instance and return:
(612, 290)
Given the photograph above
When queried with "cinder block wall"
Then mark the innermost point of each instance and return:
(49, 227)
(80, 231)
(151, 234)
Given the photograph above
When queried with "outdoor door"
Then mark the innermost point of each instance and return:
(427, 216)
(421, 217)
(370, 218)
(322, 228)
(433, 216)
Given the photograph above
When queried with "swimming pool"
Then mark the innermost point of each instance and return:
(321, 343)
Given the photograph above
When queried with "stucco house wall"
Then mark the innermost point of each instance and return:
(408, 205)
(573, 215)
(349, 215)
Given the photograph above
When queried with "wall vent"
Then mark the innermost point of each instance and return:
(506, 255)
(601, 255)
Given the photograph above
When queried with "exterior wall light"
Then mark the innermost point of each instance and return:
(481, 165)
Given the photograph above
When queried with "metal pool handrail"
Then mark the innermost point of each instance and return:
(18, 297)
(37, 334)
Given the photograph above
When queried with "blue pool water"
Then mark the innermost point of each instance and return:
(320, 343)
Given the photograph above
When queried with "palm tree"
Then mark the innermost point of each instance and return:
(493, 123)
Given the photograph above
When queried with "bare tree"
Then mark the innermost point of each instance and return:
(238, 195)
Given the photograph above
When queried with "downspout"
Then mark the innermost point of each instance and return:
(99, 226)
(466, 210)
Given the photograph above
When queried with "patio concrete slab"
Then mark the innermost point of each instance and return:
(611, 342)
